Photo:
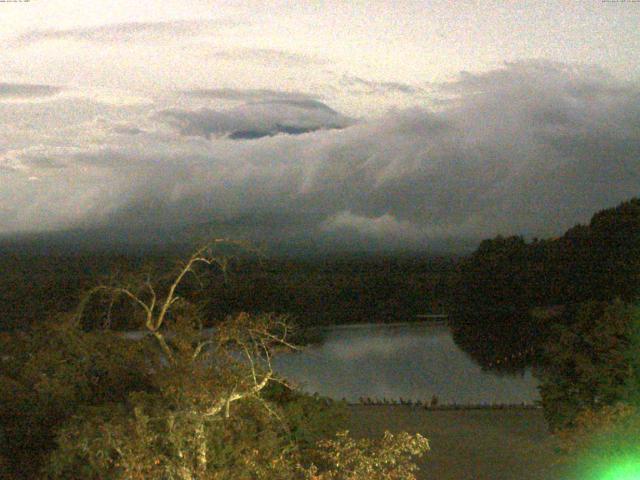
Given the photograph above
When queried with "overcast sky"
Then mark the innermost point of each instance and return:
(403, 122)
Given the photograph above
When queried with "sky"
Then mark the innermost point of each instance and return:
(400, 124)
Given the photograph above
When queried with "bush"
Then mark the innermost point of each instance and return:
(390, 458)
(48, 374)
(587, 364)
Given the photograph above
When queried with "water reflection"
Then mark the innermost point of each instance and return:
(412, 362)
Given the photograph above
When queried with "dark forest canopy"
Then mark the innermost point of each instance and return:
(508, 292)
(314, 290)
(600, 260)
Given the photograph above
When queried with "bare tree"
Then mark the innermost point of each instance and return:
(253, 337)
(204, 388)
(227, 364)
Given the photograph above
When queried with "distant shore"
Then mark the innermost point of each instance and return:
(444, 406)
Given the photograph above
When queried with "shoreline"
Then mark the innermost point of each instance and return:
(448, 407)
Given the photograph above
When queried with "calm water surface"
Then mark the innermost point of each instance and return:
(411, 361)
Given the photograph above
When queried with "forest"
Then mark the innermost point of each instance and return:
(567, 306)
(509, 292)
(312, 291)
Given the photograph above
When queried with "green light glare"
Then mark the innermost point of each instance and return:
(614, 466)
(628, 469)
(625, 471)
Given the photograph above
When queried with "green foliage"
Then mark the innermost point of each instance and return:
(604, 442)
(587, 361)
(47, 374)
(147, 438)
(168, 433)
(596, 430)
(308, 417)
(632, 357)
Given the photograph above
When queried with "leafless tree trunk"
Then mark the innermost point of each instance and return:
(251, 337)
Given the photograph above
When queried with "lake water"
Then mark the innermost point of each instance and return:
(412, 361)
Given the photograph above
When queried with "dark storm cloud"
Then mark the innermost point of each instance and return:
(257, 119)
(123, 32)
(530, 148)
(26, 90)
(370, 87)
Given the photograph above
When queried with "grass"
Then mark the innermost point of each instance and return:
(511, 444)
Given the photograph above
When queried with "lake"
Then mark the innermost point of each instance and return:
(409, 361)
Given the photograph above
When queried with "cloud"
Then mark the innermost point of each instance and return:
(124, 32)
(374, 346)
(257, 119)
(384, 227)
(530, 148)
(369, 87)
(27, 90)
(268, 56)
(127, 129)
(249, 95)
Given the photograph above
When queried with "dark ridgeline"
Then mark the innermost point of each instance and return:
(35, 286)
(499, 297)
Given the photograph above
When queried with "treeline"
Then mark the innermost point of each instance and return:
(567, 306)
(312, 291)
(34, 286)
(335, 290)
(505, 294)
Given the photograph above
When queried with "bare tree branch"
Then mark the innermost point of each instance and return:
(234, 397)
(253, 337)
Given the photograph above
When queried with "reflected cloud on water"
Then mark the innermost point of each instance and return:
(412, 362)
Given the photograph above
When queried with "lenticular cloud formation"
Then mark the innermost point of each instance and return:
(530, 148)
(257, 119)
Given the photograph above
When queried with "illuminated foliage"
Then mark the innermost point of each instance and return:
(178, 403)
(390, 458)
